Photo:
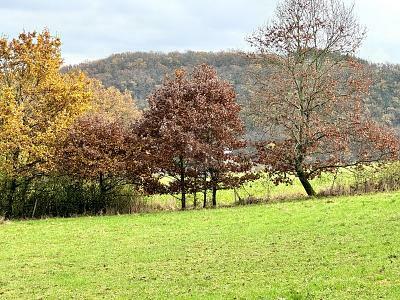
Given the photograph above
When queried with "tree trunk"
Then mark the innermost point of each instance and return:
(183, 186)
(214, 195)
(10, 199)
(214, 189)
(34, 208)
(195, 192)
(305, 182)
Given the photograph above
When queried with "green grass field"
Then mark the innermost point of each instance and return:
(262, 188)
(337, 248)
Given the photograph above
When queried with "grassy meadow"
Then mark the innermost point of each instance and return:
(262, 189)
(332, 248)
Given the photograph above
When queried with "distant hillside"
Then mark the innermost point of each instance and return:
(141, 72)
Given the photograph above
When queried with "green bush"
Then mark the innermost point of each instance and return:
(66, 197)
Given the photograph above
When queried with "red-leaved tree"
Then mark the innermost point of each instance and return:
(95, 149)
(219, 151)
(191, 129)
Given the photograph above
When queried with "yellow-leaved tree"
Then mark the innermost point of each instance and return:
(112, 104)
(37, 104)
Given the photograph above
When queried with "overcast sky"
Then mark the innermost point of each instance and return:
(93, 29)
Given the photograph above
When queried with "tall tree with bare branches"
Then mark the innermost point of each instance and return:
(310, 98)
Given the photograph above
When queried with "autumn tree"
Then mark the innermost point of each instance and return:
(37, 103)
(113, 104)
(192, 128)
(167, 129)
(310, 101)
(95, 149)
(101, 146)
(219, 132)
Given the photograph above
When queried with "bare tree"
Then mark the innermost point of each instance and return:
(310, 92)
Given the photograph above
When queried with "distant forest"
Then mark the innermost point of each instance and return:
(141, 72)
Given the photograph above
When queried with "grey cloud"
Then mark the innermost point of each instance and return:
(42, 5)
(92, 29)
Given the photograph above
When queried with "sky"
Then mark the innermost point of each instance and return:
(95, 29)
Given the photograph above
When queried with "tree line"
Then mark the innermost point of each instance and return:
(70, 145)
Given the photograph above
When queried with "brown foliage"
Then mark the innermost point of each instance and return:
(191, 129)
(101, 146)
(101, 140)
(94, 145)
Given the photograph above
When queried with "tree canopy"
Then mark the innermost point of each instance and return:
(190, 127)
(37, 104)
(311, 102)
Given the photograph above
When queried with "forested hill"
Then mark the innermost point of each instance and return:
(141, 72)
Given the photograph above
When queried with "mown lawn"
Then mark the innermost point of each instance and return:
(339, 248)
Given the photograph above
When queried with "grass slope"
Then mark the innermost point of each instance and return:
(262, 188)
(339, 248)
